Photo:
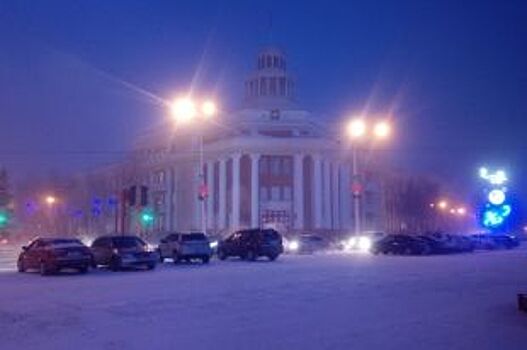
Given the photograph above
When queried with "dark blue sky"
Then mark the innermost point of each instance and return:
(453, 72)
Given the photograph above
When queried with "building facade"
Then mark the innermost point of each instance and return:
(269, 164)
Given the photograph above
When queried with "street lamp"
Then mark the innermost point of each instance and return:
(51, 200)
(358, 130)
(184, 110)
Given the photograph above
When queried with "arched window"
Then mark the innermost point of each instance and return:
(269, 61)
(275, 61)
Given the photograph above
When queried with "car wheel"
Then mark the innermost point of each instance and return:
(21, 266)
(115, 263)
(176, 258)
(151, 266)
(272, 257)
(251, 255)
(205, 259)
(83, 269)
(222, 255)
(44, 269)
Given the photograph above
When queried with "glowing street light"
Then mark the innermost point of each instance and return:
(208, 108)
(442, 205)
(356, 128)
(382, 130)
(184, 110)
(461, 211)
(51, 200)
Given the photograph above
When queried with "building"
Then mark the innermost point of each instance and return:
(271, 163)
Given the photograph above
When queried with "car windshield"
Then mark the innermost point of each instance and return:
(194, 237)
(128, 242)
(270, 235)
(62, 243)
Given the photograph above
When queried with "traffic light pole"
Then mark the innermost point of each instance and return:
(356, 196)
(202, 183)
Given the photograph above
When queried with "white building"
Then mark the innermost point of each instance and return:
(271, 163)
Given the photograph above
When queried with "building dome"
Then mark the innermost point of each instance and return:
(270, 85)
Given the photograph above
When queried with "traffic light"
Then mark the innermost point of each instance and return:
(132, 195)
(146, 217)
(4, 219)
(144, 196)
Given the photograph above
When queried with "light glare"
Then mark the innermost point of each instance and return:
(356, 128)
(208, 108)
(183, 110)
(382, 130)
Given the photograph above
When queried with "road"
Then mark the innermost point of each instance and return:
(330, 301)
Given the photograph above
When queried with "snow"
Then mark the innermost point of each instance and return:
(329, 301)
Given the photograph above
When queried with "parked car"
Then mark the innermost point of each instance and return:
(119, 252)
(400, 244)
(495, 241)
(50, 255)
(306, 244)
(185, 246)
(251, 244)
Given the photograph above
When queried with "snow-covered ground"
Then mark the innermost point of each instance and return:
(332, 301)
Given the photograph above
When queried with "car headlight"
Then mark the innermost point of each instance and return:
(350, 243)
(364, 244)
(150, 248)
(293, 246)
(213, 244)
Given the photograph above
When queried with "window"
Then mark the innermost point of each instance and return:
(272, 87)
(281, 86)
(287, 193)
(269, 61)
(275, 166)
(159, 177)
(275, 193)
(263, 86)
(275, 61)
(287, 168)
(264, 194)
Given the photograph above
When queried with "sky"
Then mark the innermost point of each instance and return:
(79, 80)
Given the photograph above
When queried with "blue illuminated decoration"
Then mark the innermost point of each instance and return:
(496, 212)
(494, 217)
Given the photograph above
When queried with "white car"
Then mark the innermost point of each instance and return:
(185, 247)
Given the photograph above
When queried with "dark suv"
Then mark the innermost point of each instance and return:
(251, 244)
(118, 252)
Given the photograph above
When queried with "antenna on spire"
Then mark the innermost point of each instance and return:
(270, 27)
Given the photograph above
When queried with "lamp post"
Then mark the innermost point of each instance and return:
(185, 111)
(51, 201)
(358, 130)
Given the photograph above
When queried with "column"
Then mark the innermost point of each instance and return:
(210, 197)
(345, 198)
(317, 191)
(327, 195)
(235, 191)
(335, 191)
(222, 210)
(298, 193)
(255, 190)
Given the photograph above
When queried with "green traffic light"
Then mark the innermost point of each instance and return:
(4, 219)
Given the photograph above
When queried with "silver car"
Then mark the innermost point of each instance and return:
(185, 247)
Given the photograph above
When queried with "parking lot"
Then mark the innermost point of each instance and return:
(324, 301)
